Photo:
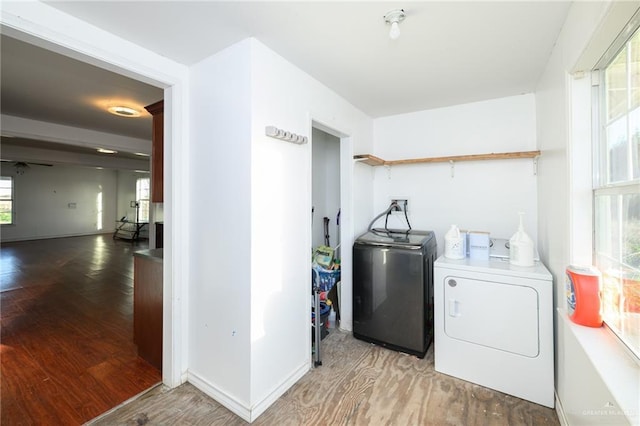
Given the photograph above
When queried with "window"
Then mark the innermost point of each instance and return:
(142, 197)
(6, 200)
(617, 193)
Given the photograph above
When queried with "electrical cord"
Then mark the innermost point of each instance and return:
(387, 211)
(393, 206)
(406, 217)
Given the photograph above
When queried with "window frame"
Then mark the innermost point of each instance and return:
(12, 200)
(140, 200)
(602, 185)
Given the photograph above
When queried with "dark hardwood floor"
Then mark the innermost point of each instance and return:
(66, 337)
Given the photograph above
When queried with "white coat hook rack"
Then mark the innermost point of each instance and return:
(274, 132)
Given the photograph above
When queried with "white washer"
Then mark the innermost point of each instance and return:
(494, 326)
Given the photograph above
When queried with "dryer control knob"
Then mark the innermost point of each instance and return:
(452, 283)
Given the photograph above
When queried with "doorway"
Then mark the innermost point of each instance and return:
(326, 232)
(325, 189)
(105, 55)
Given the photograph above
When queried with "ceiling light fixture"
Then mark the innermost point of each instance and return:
(123, 111)
(106, 151)
(394, 18)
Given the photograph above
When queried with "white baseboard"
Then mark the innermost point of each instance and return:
(266, 402)
(560, 411)
(346, 325)
(248, 414)
(49, 237)
(235, 406)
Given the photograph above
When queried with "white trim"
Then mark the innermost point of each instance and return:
(562, 417)
(347, 236)
(248, 414)
(238, 408)
(176, 230)
(261, 406)
(48, 237)
(45, 26)
(610, 28)
(613, 363)
(346, 214)
(612, 48)
(579, 151)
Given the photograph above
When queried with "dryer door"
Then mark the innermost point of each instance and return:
(493, 314)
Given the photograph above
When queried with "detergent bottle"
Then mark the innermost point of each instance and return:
(454, 247)
(583, 289)
(521, 247)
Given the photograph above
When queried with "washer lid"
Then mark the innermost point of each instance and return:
(396, 237)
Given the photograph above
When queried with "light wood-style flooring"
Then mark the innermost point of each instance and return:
(358, 384)
(66, 337)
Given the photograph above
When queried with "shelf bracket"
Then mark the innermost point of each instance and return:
(388, 169)
(453, 168)
(535, 166)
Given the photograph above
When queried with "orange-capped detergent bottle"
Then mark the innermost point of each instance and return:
(583, 285)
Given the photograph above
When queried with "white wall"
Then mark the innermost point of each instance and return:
(249, 298)
(287, 98)
(220, 344)
(482, 195)
(42, 196)
(326, 186)
(596, 380)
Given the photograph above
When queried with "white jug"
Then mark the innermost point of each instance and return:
(453, 244)
(521, 250)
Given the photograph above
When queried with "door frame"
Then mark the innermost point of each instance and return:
(49, 28)
(346, 216)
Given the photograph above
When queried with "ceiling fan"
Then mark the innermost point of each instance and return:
(23, 166)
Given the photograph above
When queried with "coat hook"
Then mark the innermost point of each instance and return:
(452, 168)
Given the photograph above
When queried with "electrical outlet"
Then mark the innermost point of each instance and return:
(402, 205)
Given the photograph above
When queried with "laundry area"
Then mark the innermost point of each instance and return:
(449, 261)
(486, 303)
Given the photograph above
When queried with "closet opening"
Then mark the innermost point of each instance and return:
(326, 236)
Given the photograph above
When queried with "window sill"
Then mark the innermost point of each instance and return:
(618, 368)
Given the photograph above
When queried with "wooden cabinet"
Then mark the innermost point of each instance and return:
(159, 234)
(157, 151)
(147, 305)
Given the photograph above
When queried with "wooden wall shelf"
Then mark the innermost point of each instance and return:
(372, 160)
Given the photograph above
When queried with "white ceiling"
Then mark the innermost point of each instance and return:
(40, 85)
(43, 85)
(448, 53)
